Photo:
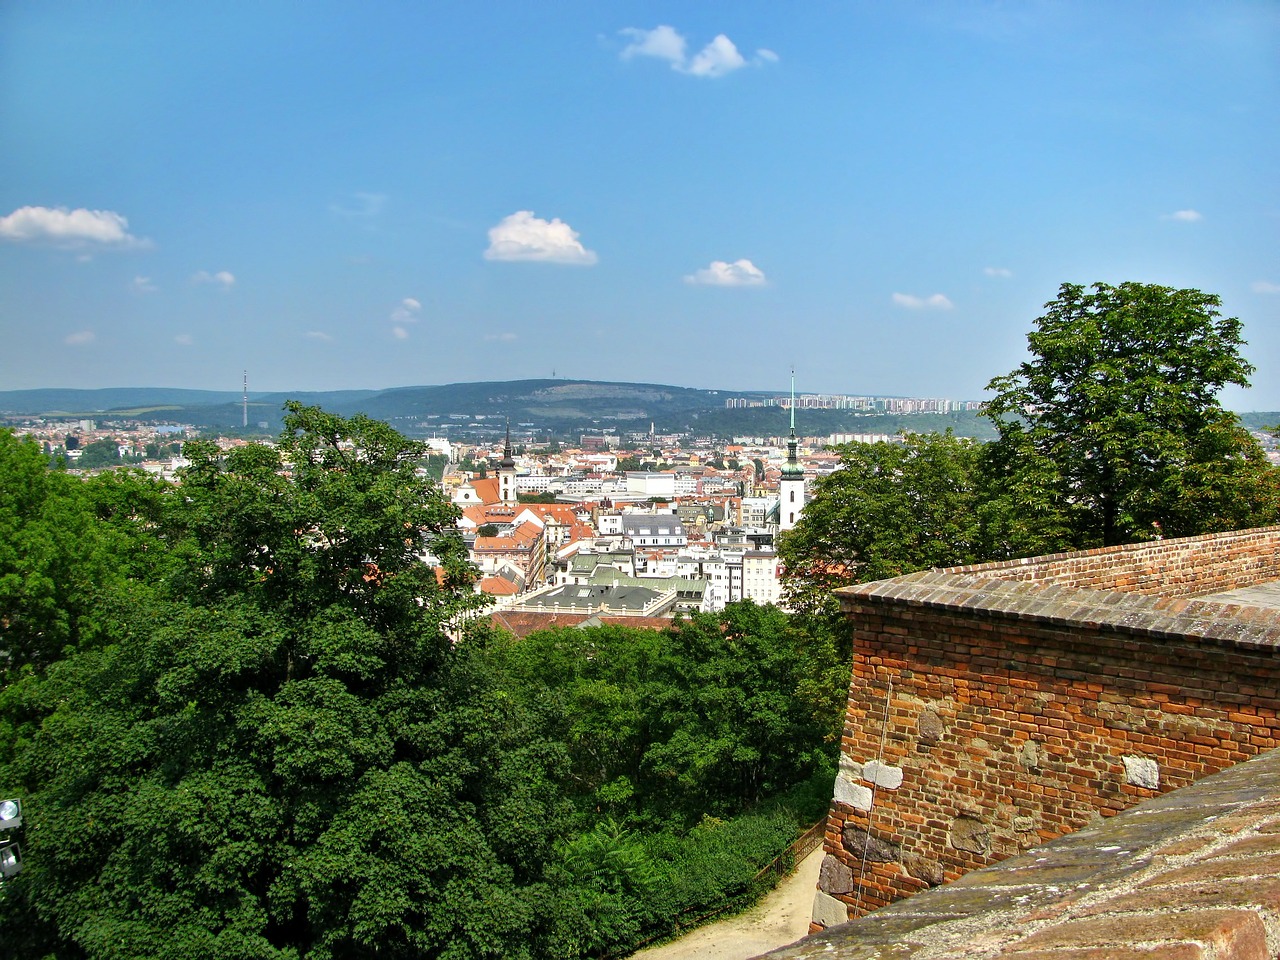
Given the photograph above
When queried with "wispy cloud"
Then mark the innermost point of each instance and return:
(319, 335)
(406, 311)
(142, 285)
(400, 333)
(997, 272)
(80, 338)
(662, 42)
(360, 205)
(1262, 286)
(72, 229)
(522, 236)
(740, 273)
(184, 340)
(500, 337)
(934, 301)
(223, 278)
(717, 59)
(1185, 216)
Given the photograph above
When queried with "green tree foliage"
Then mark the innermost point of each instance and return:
(1113, 432)
(891, 508)
(99, 453)
(283, 755)
(288, 738)
(704, 718)
(53, 567)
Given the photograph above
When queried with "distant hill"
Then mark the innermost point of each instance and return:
(554, 406)
(536, 408)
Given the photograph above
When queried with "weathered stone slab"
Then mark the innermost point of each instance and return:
(829, 911)
(854, 794)
(970, 835)
(1142, 772)
(861, 844)
(835, 877)
(882, 775)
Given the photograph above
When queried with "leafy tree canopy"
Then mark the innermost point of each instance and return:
(1114, 421)
(890, 509)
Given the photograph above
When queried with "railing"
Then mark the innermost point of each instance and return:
(785, 862)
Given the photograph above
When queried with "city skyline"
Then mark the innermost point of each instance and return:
(882, 197)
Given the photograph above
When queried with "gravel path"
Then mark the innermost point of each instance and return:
(782, 917)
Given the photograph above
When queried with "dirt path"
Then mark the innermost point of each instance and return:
(782, 917)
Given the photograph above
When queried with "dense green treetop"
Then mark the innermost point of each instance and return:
(1111, 432)
(1116, 415)
(890, 509)
(53, 559)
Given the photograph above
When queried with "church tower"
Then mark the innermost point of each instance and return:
(791, 485)
(507, 472)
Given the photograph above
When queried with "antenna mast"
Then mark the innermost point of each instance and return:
(244, 416)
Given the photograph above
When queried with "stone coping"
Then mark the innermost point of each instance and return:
(978, 594)
(1145, 556)
(1192, 874)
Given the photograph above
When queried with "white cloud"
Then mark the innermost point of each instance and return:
(68, 228)
(143, 285)
(79, 338)
(997, 271)
(406, 311)
(223, 278)
(1262, 286)
(662, 42)
(400, 333)
(1185, 216)
(184, 340)
(522, 236)
(500, 337)
(934, 301)
(319, 335)
(717, 59)
(740, 273)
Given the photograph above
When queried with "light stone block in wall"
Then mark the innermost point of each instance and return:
(829, 911)
(882, 775)
(854, 794)
(850, 767)
(1142, 772)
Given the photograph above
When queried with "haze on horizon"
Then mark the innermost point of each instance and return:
(880, 196)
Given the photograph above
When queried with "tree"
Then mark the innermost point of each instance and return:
(702, 719)
(284, 754)
(891, 508)
(53, 569)
(99, 453)
(1112, 431)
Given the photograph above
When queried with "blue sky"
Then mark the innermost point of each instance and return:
(882, 195)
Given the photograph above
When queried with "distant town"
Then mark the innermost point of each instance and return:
(612, 524)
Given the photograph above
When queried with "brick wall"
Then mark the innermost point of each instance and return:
(993, 708)
(1190, 875)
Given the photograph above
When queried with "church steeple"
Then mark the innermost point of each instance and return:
(507, 471)
(791, 484)
(792, 467)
